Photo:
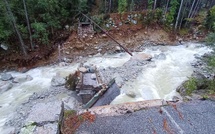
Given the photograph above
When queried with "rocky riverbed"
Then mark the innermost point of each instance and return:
(41, 88)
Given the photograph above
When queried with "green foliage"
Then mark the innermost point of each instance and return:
(211, 86)
(183, 31)
(152, 16)
(46, 17)
(211, 19)
(150, 3)
(201, 18)
(191, 85)
(170, 17)
(68, 113)
(40, 32)
(211, 61)
(99, 19)
(122, 6)
(82, 5)
(210, 39)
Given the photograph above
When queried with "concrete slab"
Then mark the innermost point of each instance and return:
(48, 129)
(196, 117)
(120, 109)
(46, 112)
(108, 96)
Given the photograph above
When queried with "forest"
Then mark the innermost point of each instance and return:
(26, 25)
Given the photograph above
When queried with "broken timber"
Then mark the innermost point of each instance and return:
(108, 35)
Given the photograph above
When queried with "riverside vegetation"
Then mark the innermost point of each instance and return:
(35, 28)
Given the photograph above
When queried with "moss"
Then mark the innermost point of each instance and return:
(191, 85)
(68, 113)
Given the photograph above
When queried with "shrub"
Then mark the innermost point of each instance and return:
(191, 85)
(210, 39)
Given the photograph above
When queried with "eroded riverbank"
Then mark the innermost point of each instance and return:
(139, 80)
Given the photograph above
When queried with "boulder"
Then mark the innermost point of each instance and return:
(181, 89)
(118, 49)
(92, 69)
(44, 118)
(142, 56)
(58, 81)
(22, 79)
(130, 94)
(93, 76)
(82, 69)
(51, 128)
(70, 103)
(161, 56)
(6, 77)
(22, 70)
(4, 86)
(46, 112)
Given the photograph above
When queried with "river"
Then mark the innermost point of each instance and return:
(157, 81)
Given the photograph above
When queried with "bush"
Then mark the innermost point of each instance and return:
(191, 85)
(122, 6)
(210, 39)
(40, 33)
(211, 18)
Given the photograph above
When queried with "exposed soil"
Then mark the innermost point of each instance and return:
(130, 36)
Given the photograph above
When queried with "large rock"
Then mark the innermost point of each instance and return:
(22, 79)
(131, 94)
(5, 85)
(58, 81)
(161, 56)
(142, 56)
(6, 77)
(82, 69)
(48, 129)
(46, 112)
(70, 103)
(44, 118)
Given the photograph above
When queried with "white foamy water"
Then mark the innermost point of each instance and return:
(42, 76)
(152, 83)
(161, 80)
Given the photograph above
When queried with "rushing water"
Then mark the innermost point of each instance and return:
(158, 81)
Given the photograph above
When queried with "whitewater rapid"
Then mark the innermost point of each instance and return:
(157, 81)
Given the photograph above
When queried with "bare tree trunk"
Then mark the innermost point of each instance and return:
(178, 16)
(15, 27)
(166, 7)
(155, 3)
(110, 5)
(131, 5)
(28, 25)
(105, 6)
(206, 5)
(183, 13)
(191, 9)
(195, 9)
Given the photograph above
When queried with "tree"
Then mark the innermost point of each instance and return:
(13, 21)
(179, 12)
(150, 2)
(171, 14)
(122, 6)
(210, 22)
(110, 4)
(167, 4)
(28, 24)
(155, 3)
